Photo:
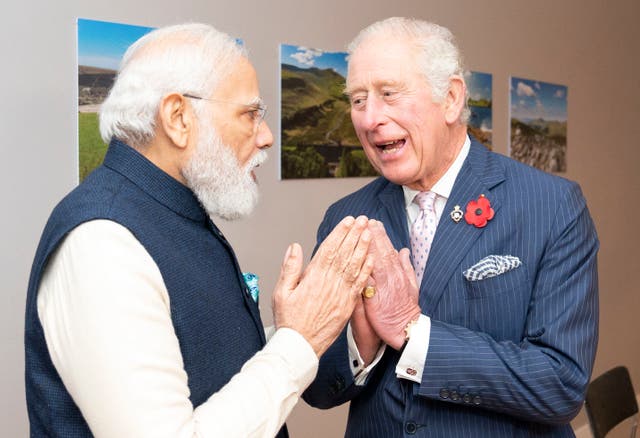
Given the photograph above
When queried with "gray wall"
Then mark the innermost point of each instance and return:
(589, 46)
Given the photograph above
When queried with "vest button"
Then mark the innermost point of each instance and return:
(410, 428)
(337, 385)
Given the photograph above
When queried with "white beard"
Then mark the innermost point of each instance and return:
(213, 173)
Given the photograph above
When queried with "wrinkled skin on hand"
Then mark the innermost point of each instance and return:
(366, 338)
(395, 303)
(318, 302)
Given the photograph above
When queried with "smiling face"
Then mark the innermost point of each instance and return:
(407, 137)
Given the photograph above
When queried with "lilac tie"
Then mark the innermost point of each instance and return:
(422, 231)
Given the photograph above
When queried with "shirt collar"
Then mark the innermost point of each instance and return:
(444, 185)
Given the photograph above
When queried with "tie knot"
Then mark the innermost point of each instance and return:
(425, 200)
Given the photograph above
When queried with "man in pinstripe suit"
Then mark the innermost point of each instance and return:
(499, 337)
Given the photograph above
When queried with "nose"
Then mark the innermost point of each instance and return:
(373, 114)
(264, 136)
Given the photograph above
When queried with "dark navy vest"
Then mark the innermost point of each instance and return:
(217, 323)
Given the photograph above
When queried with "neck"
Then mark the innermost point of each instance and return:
(166, 156)
(452, 145)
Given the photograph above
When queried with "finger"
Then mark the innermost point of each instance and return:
(358, 309)
(356, 255)
(352, 251)
(407, 267)
(353, 291)
(364, 277)
(329, 247)
(370, 281)
(291, 268)
(383, 246)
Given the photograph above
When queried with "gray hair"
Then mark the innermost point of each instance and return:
(439, 57)
(186, 58)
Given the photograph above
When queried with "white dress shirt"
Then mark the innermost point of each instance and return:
(414, 356)
(105, 312)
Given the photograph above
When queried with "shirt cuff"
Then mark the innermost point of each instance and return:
(411, 363)
(299, 355)
(356, 363)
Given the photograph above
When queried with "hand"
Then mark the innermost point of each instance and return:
(318, 302)
(396, 300)
(367, 340)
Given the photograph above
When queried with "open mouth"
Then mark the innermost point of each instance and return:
(389, 147)
(252, 172)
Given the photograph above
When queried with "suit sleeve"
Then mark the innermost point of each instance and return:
(542, 378)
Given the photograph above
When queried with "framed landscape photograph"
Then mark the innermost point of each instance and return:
(101, 46)
(538, 128)
(480, 103)
(317, 137)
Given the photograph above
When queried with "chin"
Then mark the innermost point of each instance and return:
(236, 204)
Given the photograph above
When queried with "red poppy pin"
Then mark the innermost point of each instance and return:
(479, 212)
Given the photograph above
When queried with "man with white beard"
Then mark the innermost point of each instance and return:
(139, 322)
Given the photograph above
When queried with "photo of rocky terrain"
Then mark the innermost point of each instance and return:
(540, 144)
(538, 128)
(93, 86)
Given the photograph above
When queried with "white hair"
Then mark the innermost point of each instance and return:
(439, 58)
(187, 58)
(225, 189)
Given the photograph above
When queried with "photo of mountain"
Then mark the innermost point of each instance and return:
(539, 124)
(101, 45)
(317, 137)
(480, 103)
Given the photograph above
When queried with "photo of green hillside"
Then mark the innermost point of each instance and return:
(93, 86)
(317, 137)
(101, 45)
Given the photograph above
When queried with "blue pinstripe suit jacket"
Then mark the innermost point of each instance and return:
(508, 356)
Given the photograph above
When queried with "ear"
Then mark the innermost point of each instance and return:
(177, 119)
(455, 99)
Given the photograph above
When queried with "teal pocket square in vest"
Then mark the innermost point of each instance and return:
(252, 284)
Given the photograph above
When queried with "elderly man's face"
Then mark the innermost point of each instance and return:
(230, 144)
(236, 112)
(403, 132)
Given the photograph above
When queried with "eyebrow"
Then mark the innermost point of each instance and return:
(376, 85)
(256, 101)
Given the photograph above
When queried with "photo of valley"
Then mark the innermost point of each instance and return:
(539, 124)
(317, 137)
(101, 46)
(480, 103)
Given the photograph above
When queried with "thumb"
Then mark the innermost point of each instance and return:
(407, 267)
(291, 268)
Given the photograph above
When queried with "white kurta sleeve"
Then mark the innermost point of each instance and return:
(106, 316)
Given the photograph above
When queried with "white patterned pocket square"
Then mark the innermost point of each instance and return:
(491, 266)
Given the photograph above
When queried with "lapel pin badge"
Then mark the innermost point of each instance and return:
(456, 214)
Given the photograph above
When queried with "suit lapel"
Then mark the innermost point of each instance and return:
(392, 213)
(478, 175)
